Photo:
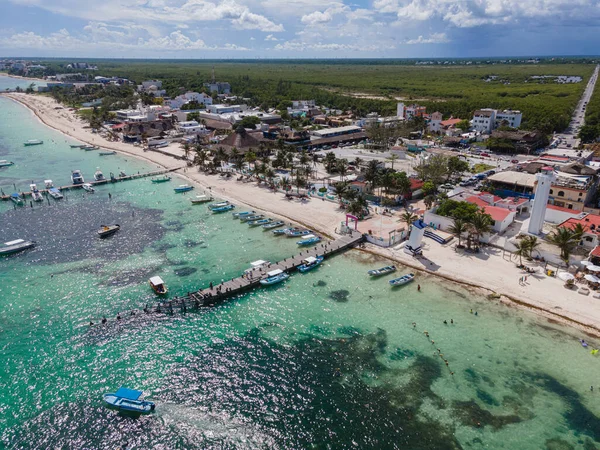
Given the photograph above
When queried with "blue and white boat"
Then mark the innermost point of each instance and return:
(128, 400)
(382, 271)
(218, 205)
(76, 177)
(222, 209)
(31, 142)
(183, 188)
(276, 224)
(404, 279)
(98, 175)
(297, 232)
(5, 163)
(16, 198)
(310, 263)
(239, 215)
(256, 223)
(274, 277)
(309, 239)
(280, 232)
(36, 195)
(252, 217)
(15, 246)
(55, 193)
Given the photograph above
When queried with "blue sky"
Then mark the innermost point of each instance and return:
(298, 28)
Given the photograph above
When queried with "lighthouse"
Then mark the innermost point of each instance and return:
(542, 193)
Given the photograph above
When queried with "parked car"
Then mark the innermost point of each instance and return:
(514, 161)
(487, 155)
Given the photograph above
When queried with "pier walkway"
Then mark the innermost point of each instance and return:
(24, 194)
(236, 286)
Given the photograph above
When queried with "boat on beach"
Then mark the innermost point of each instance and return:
(108, 230)
(309, 239)
(381, 271)
(31, 142)
(201, 199)
(310, 263)
(239, 215)
(77, 177)
(107, 153)
(16, 198)
(222, 209)
(274, 277)
(271, 225)
(183, 188)
(252, 217)
(88, 188)
(98, 175)
(256, 223)
(281, 232)
(89, 148)
(5, 163)
(158, 285)
(297, 232)
(160, 180)
(404, 279)
(77, 145)
(18, 245)
(128, 401)
(36, 195)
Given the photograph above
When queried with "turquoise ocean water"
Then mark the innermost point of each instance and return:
(330, 359)
(12, 83)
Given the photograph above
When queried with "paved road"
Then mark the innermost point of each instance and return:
(569, 137)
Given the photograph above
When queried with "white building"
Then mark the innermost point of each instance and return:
(222, 109)
(542, 193)
(512, 117)
(487, 119)
(153, 87)
(131, 115)
(400, 110)
(435, 122)
(303, 104)
(180, 100)
(219, 87)
(191, 127)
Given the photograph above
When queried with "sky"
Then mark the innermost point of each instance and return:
(298, 28)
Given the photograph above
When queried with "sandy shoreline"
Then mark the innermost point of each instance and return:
(488, 272)
(19, 77)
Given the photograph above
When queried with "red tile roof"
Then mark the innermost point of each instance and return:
(477, 201)
(416, 184)
(450, 122)
(595, 252)
(589, 222)
(560, 208)
(498, 214)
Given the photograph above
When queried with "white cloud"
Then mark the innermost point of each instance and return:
(270, 37)
(300, 46)
(435, 38)
(316, 17)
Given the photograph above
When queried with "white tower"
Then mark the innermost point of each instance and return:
(413, 245)
(542, 193)
(400, 110)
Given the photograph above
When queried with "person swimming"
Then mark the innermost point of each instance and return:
(583, 343)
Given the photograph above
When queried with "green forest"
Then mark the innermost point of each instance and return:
(591, 130)
(365, 86)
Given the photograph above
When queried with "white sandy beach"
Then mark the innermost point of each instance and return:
(489, 270)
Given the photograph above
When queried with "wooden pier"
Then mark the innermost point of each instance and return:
(218, 293)
(24, 194)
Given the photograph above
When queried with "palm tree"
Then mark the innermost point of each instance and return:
(481, 224)
(339, 189)
(392, 158)
(330, 161)
(458, 228)
(522, 250)
(358, 206)
(200, 158)
(429, 201)
(250, 157)
(566, 240)
(532, 243)
(358, 162)
(372, 174)
(342, 167)
(408, 217)
(578, 231)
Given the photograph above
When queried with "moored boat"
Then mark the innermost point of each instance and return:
(77, 145)
(218, 205)
(297, 232)
(158, 285)
(16, 198)
(256, 223)
(98, 175)
(128, 400)
(281, 232)
(183, 188)
(107, 230)
(31, 142)
(5, 163)
(256, 265)
(160, 180)
(123, 174)
(402, 280)
(222, 209)
(276, 224)
(55, 193)
(310, 263)
(201, 199)
(88, 187)
(381, 271)
(252, 217)
(18, 245)
(239, 215)
(88, 148)
(309, 239)
(77, 177)
(107, 153)
(274, 277)
(36, 195)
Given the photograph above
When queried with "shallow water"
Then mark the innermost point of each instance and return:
(12, 83)
(330, 359)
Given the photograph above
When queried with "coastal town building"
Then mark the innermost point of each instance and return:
(591, 225)
(435, 122)
(153, 87)
(218, 87)
(486, 120)
(189, 97)
(519, 141)
(191, 127)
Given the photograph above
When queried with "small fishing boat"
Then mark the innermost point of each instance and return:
(16, 198)
(123, 174)
(31, 142)
(128, 400)
(107, 153)
(98, 175)
(252, 217)
(222, 209)
(274, 277)
(256, 223)
(402, 280)
(36, 195)
(310, 263)
(18, 245)
(88, 187)
(76, 177)
(382, 271)
(5, 163)
(239, 215)
(276, 224)
(281, 232)
(218, 205)
(107, 230)
(89, 148)
(160, 180)
(158, 285)
(183, 188)
(309, 239)
(55, 193)
(297, 232)
(201, 199)
(77, 145)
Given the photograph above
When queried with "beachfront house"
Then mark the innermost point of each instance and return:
(189, 97)
(192, 127)
(591, 225)
(487, 119)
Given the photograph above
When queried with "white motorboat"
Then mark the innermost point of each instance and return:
(18, 245)
(88, 187)
(31, 142)
(201, 199)
(36, 195)
(77, 177)
(98, 175)
(5, 163)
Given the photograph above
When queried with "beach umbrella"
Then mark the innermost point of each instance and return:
(593, 268)
(592, 278)
(566, 276)
(586, 263)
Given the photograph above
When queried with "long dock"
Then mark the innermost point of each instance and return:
(24, 194)
(216, 294)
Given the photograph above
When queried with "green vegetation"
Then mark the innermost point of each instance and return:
(439, 169)
(591, 130)
(566, 239)
(468, 218)
(481, 167)
(375, 85)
